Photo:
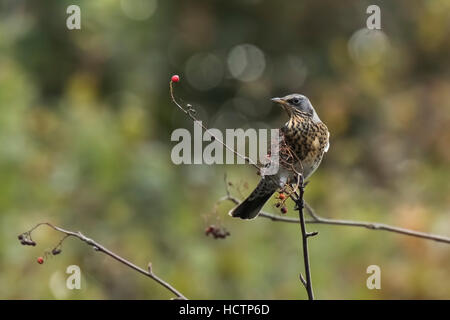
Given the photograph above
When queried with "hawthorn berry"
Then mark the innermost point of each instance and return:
(281, 196)
(175, 78)
(284, 210)
(40, 260)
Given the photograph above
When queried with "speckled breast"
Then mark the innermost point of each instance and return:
(308, 140)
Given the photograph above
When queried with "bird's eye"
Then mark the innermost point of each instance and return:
(295, 101)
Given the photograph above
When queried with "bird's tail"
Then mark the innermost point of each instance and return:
(250, 207)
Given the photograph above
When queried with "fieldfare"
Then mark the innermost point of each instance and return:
(307, 138)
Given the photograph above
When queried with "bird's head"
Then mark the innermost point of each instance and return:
(297, 104)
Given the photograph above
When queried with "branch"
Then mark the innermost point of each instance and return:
(25, 239)
(362, 224)
(190, 111)
(305, 235)
(297, 197)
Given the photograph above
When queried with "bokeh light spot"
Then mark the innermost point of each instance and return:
(139, 9)
(368, 47)
(246, 62)
(204, 71)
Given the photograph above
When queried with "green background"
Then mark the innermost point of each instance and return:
(85, 124)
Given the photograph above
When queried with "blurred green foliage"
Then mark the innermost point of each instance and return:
(85, 124)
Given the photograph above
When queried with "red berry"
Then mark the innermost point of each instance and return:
(209, 229)
(284, 210)
(281, 196)
(175, 78)
(40, 260)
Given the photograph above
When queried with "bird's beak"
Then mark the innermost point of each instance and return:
(280, 101)
(277, 100)
(283, 104)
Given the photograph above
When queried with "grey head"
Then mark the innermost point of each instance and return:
(297, 104)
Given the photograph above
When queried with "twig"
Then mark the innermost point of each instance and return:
(189, 111)
(305, 235)
(98, 247)
(350, 223)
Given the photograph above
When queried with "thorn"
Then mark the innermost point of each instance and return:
(149, 268)
(312, 234)
(302, 280)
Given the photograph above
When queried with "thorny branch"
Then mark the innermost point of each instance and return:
(25, 239)
(301, 204)
(350, 223)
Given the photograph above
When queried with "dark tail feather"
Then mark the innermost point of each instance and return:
(249, 209)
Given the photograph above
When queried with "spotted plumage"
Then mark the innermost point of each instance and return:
(308, 139)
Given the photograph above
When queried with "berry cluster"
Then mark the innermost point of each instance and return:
(217, 232)
(280, 204)
(25, 239)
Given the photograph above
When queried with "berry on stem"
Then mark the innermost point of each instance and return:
(40, 260)
(284, 210)
(175, 78)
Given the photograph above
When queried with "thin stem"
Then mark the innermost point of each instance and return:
(299, 206)
(189, 112)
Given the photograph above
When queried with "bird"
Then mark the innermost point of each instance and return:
(308, 139)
